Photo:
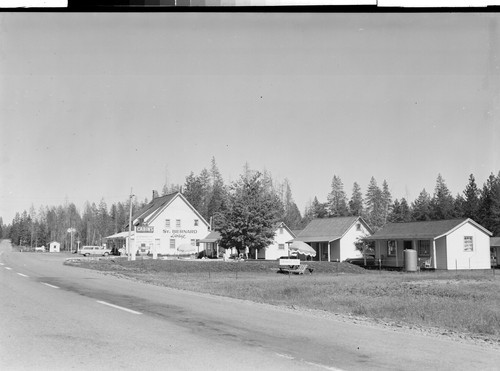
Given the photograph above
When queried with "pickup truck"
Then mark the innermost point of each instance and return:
(94, 250)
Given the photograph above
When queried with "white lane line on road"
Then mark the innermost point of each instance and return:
(48, 284)
(287, 356)
(118, 307)
(23, 275)
(323, 366)
(8, 268)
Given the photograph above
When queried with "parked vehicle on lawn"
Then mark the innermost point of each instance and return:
(40, 249)
(368, 261)
(95, 250)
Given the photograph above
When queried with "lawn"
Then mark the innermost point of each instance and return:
(463, 301)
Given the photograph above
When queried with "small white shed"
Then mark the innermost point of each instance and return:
(54, 246)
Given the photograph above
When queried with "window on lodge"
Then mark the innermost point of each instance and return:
(172, 243)
(193, 242)
(177, 223)
(281, 230)
(196, 222)
(424, 248)
(167, 223)
(281, 246)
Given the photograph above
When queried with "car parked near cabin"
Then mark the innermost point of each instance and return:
(40, 249)
(94, 250)
(370, 261)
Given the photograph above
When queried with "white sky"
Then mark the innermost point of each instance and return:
(94, 104)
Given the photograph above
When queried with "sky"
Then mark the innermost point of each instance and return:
(93, 105)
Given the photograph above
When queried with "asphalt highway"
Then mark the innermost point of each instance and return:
(56, 317)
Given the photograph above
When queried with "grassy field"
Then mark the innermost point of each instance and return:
(464, 301)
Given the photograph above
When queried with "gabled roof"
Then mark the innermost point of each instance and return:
(495, 241)
(158, 204)
(329, 229)
(155, 204)
(213, 236)
(282, 224)
(430, 229)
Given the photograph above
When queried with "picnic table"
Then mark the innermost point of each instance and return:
(292, 266)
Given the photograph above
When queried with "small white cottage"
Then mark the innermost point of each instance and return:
(440, 244)
(54, 246)
(334, 239)
(279, 246)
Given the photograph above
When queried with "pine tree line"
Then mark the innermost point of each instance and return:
(217, 203)
(39, 228)
(377, 207)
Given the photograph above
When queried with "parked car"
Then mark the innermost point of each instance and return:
(370, 261)
(40, 249)
(94, 250)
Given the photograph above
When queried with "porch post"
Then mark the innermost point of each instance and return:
(328, 247)
(434, 263)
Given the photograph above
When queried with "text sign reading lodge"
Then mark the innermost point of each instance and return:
(180, 233)
(144, 229)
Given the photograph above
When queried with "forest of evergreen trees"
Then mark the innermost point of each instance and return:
(214, 199)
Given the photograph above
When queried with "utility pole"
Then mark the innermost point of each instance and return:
(71, 230)
(130, 256)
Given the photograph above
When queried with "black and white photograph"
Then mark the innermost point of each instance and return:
(239, 190)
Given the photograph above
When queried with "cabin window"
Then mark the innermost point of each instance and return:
(468, 243)
(193, 242)
(172, 243)
(281, 246)
(424, 248)
(196, 222)
(178, 223)
(358, 226)
(281, 230)
(391, 248)
(167, 223)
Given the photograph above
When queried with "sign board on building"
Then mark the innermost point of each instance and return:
(144, 229)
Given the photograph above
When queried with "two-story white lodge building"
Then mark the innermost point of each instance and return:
(167, 223)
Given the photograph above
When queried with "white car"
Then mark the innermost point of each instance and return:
(94, 250)
(40, 249)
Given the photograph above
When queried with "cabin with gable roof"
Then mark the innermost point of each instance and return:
(440, 244)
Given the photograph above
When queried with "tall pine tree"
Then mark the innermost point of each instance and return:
(442, 203)
(489, 205)
(336, 199)
(356, 201)
(375, 211)
(470, 206)
(421, 207)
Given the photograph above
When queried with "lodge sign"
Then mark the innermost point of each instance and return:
(144, 229)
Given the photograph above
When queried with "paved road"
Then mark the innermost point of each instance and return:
(55, 317)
